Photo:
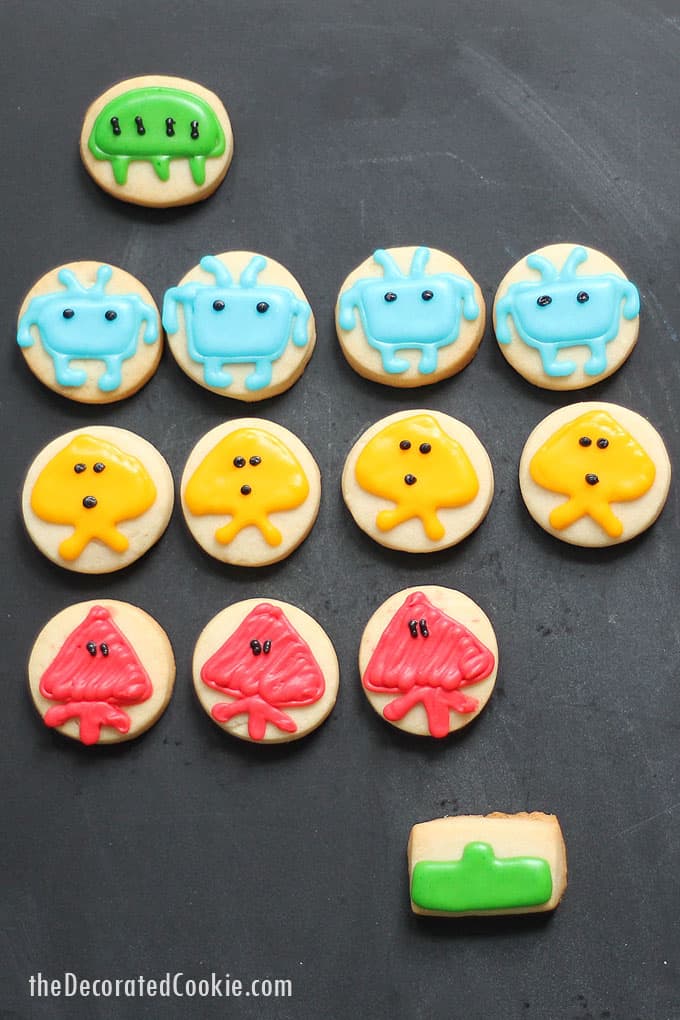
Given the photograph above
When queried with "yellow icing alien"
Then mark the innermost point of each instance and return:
(594, 461)
(249, 474)
(92, 485)
(420, 468)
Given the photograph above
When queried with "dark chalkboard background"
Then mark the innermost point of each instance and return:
(484, 129)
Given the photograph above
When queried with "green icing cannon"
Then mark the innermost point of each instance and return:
(157, 124)
(481, 881)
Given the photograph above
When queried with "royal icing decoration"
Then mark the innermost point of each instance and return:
(421, 469)
(157, 124)
(564, 309)
(265, 668)
(425, 657)
(94, 674)
(93, 486)
(593, 461)
(415, 311)
(86, 323)
(481, 881)
(240, 323)
(248, 475)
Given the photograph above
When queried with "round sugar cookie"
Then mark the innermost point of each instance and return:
(97, 498)
(101, 672)
(418, 481)
(566, 316)
(428, 660)
(594, 474)
(157, 140)
(409, 316)
(265, 671)
(91, 332)
(239, 324)
(250, 492)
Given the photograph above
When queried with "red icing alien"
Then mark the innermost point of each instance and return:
(266, 667)
(94, 673)
(425, 657)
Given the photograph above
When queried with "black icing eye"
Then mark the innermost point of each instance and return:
(603, 443)
(425, 447)
(255, 647)
(246, 490)
(218, 305)
(104, 648)
(115, 124)
(267, 647)
(262, 307)
(410, 479)
(68, 313)
(405, 444)
(390, 296)
(592, 479)
(79, 468)
(194, 129)
(254, 461)
(585, 441)
(99, 467)
(239, 462)
(110, 315)
(582, 297)
(141, 130)
(544, 300)
(170, 126)
(427, 295)
(91, 647)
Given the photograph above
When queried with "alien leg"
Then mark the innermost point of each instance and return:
(598, 358)
(111, 379)
(261, 376)
(64, 374)
(391, 363)
(603, 515)
(197, 167)
(551, 366)
(566, 514)
(71, 548)
(214, 373)
(428, 359)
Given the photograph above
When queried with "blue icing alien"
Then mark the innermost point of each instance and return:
(85, 323)
(237, 324)
(417, 312)
(563, 309)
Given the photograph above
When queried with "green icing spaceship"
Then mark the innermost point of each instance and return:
(481, 881)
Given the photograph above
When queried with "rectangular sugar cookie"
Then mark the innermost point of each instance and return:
(487, 864)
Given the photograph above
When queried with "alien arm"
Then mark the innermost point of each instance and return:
(148, 316)
(172, 298)
(31, 317)
(631, 299)
(348, 303)
(470, 306)
(301, 314)
(504, 309)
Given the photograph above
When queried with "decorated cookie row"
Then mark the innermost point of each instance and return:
(264, 670)
(96, 499)
(240, 325)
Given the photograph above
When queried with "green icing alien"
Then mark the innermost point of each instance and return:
(157, 124)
